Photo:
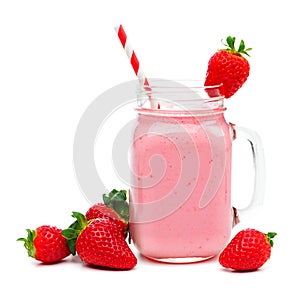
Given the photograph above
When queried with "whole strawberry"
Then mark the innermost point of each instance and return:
(46, 244)
(100, 242)
(115, 207)
(248, 250)
(228, 67)
(100, 210)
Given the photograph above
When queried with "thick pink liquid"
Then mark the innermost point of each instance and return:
(180, 195)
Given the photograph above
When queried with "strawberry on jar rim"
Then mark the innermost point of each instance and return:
(228, 67)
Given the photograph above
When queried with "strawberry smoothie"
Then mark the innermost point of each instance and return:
(180, 205)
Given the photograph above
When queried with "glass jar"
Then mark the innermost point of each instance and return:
(180, 194)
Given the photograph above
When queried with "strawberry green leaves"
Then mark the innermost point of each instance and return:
(270, 236)
(230, 41)
(116, 200)
(28, 242)
(72, 232)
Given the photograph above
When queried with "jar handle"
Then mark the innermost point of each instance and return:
(259, 168)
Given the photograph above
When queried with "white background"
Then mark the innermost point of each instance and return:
(56, 57)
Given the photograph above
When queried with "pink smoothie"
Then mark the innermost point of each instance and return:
(180, 196)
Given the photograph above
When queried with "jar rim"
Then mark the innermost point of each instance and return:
(179, 113)
(188, 94)
(182, 84)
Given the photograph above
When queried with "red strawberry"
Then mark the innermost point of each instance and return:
(114, 207)
(228, 67)
(46, 244)
(100, 242)
(100, 210)
(248, 250)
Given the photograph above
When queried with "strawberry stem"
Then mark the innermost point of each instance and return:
(72, 232)
(116, 200)
(230, 41)
(270, 236)
(28, 242)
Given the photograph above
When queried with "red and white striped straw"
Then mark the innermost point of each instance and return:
(133, 59)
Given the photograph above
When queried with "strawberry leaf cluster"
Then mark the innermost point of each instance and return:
(230, 41)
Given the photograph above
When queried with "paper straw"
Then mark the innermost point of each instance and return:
(133, 60)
